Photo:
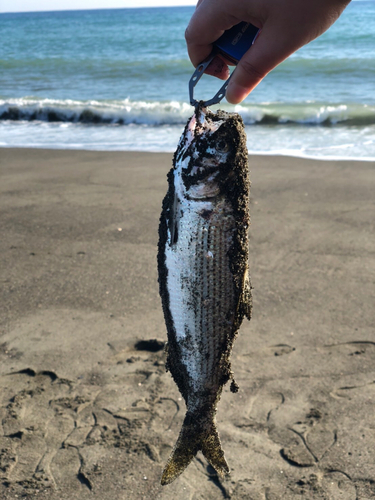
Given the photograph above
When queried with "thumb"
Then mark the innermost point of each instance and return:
(271, 47)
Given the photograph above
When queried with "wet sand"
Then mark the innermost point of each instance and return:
(88, 411)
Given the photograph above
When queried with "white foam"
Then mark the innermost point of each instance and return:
(308, 142)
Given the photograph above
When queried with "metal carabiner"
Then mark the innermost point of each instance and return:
(232, 44)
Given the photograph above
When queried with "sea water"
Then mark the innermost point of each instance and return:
(117, 79)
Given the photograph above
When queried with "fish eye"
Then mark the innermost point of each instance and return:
(222, 146)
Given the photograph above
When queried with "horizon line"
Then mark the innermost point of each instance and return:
(97, 9)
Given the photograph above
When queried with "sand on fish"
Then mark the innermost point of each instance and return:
(87, 409)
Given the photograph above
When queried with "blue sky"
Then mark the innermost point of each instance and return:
(40, 5)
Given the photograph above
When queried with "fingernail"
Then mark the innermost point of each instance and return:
(236, 93)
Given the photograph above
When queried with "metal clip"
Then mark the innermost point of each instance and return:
(232, 44)
(195, 79)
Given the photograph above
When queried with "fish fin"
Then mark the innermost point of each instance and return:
(212, 450)
(247, 298)
(189, 442)
(174, 222)
(185, 449)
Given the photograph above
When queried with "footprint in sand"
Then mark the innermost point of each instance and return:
(315, 438)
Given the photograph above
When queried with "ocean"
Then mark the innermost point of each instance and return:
(118, 80)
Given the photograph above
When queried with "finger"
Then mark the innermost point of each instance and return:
(272, 46)
(206, 25)
(218, 68)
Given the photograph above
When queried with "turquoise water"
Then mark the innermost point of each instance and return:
(117, 79)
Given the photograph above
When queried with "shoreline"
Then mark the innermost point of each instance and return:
(287, 154)
(89, 413)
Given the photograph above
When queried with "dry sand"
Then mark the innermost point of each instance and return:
(85, 414)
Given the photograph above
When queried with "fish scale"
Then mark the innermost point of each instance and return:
(203, 274)
(191, 302)
(211, 304)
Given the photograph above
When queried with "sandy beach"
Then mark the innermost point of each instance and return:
(87, 409)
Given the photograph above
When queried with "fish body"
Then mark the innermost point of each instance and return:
(203, 274)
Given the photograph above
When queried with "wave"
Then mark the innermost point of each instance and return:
(127, 112)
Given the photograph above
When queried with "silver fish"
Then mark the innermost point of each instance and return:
(203, 275)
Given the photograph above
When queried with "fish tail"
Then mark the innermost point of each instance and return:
(192, 438)
(214, 453)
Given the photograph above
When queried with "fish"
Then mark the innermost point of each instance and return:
(203, 275)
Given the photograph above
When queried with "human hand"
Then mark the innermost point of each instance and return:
(286, 26)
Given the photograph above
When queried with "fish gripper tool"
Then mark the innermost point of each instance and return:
(232, 45)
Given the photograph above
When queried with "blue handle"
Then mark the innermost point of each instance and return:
(235, 42)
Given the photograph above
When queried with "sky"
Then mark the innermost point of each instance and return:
(45, 5)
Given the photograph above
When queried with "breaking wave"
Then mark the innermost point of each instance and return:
(126, 112)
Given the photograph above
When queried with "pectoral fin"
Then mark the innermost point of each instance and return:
(174, 221)
(245, 303)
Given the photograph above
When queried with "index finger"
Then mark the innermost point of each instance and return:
(206, 26)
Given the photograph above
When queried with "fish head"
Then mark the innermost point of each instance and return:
(206, 157)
